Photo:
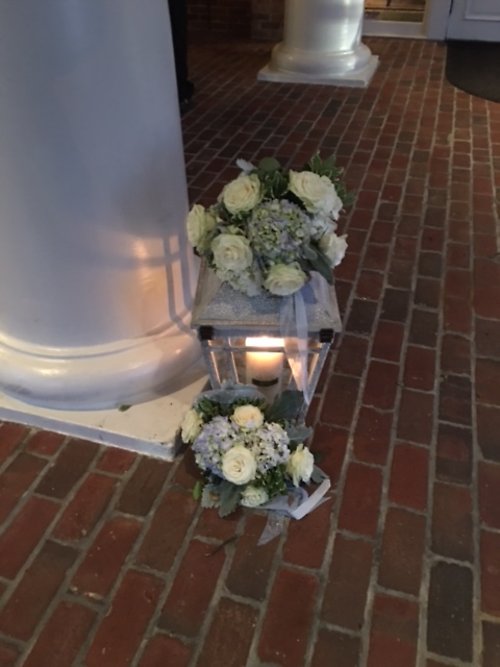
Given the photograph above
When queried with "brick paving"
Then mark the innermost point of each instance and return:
(105, 558)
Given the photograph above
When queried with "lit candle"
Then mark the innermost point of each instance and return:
(264, 368)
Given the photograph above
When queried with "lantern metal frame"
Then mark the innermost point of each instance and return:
(224, 318)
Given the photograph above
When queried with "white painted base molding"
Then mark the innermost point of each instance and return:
(146, 428)
(359, 78)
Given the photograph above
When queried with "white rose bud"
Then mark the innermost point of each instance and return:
(245, 166)
(199, 223)
(239, 465)
(248, 416)
(242, 194)
(232, 252)
(334, 247)
(253, 496)
(300, 465)
(317, 193)
(191, 425)
(284, 279)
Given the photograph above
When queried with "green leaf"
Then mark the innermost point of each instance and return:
(309, 253)
(318, 475)
(210, 496)
(124, 408)
(347, 197)
(323, 167)
(304, 264)
(197, 490)
(314, 163)
(298, 434)
(269, 164)
(208, 408)
(274, 183)
(223, 402)
(286, 406)
(322, 265)
(230, 495)
(274, 481)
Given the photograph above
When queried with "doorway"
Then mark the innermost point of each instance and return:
(475, 20)
(440, 20)
(395, 10)
(395, 18)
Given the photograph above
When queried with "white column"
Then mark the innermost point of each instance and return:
(322, 44)
(96, 277)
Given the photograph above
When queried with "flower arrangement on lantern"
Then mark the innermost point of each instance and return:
(270, 227)
(249, 452)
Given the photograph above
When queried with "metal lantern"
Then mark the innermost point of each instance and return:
(242, 341)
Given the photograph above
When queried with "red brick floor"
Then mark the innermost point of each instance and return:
(106, 560)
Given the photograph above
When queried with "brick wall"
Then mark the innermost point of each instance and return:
(220, 18)
(267, 19)
(238, 19)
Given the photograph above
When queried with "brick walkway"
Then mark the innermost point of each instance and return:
(105, 559)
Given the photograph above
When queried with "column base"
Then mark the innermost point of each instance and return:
(358, 78)
(149, 428)
(97, 377)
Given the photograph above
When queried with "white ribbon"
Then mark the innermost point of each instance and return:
(312, 502)
(294, 330)
(322, 293)
(296, 504)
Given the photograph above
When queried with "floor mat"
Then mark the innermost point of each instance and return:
(473, 67)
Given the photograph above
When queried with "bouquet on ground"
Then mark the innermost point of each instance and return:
(249, 452)
(270, 227)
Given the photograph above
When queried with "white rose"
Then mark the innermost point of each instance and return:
(248, 416)
(284, 279)
(334, 247)
(239, 465)
(253, 496)
(300, 465)
(242, 194)
(232, 252)
(199, 223)
(317, 193)
(191, 425)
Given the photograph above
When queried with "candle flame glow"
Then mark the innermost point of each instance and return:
(265, 342)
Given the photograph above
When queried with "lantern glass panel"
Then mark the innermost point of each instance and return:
(241, 339)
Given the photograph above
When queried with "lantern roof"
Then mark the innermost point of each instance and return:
(225, 309)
